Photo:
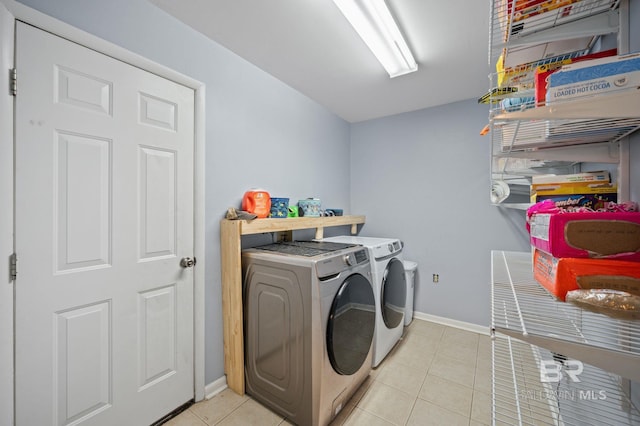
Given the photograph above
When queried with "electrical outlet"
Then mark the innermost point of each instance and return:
(436, 278)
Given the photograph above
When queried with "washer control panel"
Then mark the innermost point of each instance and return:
(333, 265)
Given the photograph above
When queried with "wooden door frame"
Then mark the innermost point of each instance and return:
(33, 17)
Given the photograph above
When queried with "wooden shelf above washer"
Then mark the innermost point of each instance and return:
(231, 232)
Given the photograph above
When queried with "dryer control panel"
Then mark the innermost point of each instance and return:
(387, 249)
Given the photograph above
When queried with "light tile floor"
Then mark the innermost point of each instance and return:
(436, 375)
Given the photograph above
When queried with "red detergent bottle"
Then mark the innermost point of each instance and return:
(257, 201)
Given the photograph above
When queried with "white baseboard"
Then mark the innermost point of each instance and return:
(453, 323)
(215, 387)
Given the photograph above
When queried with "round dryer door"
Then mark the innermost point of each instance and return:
(351, 325)
(393, 293)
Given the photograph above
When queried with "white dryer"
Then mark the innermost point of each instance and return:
(390, 289)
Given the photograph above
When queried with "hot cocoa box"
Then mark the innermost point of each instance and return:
(594, 77)
(587, 234)
(561, 275)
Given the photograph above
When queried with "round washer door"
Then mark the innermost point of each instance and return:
(351, 325)
(393, 293)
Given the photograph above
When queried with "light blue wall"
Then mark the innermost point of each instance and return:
(259, 132)
(423, 177)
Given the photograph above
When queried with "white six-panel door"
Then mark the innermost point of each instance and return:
(103, 216)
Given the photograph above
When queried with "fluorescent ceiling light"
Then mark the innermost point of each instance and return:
(375, 25)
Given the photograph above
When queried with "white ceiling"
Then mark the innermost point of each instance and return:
(311, 47)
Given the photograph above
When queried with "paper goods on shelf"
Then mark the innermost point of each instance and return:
(587, 234)
(560, 275)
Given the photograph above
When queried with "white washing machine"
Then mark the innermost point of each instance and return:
(309, 317)
(388, 277)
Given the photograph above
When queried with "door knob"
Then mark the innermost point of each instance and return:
(187, 262)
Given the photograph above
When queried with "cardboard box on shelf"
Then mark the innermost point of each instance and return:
(589, 177)
(560, 275)
(575, 195)
(540, 77)
(594, 77)
(542, 72)
(587, 234)
(574, 201)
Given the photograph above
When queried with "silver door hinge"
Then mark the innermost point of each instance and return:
(13, 267)
(13, 85)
